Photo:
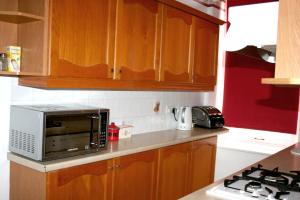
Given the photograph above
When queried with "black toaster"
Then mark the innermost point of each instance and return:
(207, 116)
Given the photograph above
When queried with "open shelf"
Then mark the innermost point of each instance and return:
(281, 81)
(17, 17)
(24, 23)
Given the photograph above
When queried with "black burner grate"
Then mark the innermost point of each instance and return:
(259, 179)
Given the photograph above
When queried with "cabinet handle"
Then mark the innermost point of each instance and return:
(120, 71)
(113, 167)
(112, 70)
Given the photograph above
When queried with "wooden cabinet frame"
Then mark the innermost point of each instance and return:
(82, 48)
(176, 47)
(166, 173)
(137, 43)
(195, 169)
(24, 23)
(69, 47)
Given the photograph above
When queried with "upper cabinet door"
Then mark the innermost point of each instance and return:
(176, 45)
(82, 38)
(205, 56)
(138, 39)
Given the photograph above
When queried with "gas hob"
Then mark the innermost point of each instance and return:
(259, 183)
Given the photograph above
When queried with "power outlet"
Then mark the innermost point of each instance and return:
(172, 111)
(169, 109)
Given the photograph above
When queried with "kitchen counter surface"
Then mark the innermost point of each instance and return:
(284, 159)
(137, 143)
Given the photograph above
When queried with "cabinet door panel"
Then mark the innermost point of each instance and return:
(173, 171)
(136, 176)
(137, 45)
(177, 27)
(82, 35)
(205, 52)
(202, 163)
(90, 181)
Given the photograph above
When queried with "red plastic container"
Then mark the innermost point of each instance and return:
(113, 132)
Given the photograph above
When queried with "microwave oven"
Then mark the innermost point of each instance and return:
(48, 132)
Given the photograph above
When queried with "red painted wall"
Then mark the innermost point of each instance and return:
(249, 104)
(246, 2)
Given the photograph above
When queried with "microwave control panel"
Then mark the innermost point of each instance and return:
(104, 121)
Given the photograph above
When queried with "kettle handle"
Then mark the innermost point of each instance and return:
(183, 115)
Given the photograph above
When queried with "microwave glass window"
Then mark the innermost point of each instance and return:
(65, 125)
(70, 133)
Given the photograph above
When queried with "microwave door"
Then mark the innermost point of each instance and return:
(69, 134)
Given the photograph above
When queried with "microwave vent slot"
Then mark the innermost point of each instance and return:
(22, 141)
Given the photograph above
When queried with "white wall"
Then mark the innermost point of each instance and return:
(215, 98)
(132, 107)
(5, 98)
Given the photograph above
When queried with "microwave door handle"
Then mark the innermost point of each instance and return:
(92, 131)
(99, 131)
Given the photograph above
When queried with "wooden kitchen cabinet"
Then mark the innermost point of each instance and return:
(23, 23)
(186, 167)
(124, 44)
(127, 177)
(189, 48)
(82, 38)
(173, 171)
(166, 173)
(89, 181)
(26, 183)
(135, 176)
(202, 167)
(138, 40)
(205, 52)
(176, 44)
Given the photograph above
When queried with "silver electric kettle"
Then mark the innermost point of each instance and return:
(184, 118)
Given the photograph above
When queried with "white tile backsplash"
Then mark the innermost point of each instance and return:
(19, 93)
(134, 107)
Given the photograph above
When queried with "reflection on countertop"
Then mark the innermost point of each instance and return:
(248, 146)
(284, 160)
(264, 142)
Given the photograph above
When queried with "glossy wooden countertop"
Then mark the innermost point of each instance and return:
(285, 160)
(137, 143)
